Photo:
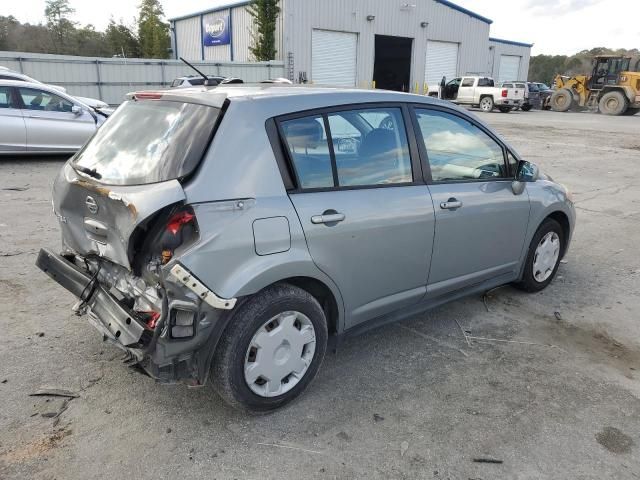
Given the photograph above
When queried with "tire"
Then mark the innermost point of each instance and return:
(526, 108)
(561, 100)
(613, 103)
(486, 104)
(252, 324)
(504, 109)
(534, 278)
(631, 111)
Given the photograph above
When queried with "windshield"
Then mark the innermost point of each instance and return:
(148, 141)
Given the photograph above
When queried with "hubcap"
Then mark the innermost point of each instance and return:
(546, 257)
(485, 104)
(279, 354)
(612, 104)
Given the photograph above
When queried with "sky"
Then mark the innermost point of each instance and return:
(555, 27)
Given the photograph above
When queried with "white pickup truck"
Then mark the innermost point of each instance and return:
(480, 92)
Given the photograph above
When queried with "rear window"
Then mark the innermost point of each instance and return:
(148, 141)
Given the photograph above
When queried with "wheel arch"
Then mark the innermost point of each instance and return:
(626, 92)
(325, 297)
(562, 218)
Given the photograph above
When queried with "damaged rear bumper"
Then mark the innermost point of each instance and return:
(168, 360)
(114, 321)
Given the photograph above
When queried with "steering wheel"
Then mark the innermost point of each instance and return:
(387, 123)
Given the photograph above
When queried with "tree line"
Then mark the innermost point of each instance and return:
(544, 68)
(146, 37)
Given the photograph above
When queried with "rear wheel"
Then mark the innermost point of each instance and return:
(631, 111)
(543, 258)
(504, 109)
(486, 104)
(526, 108)
(272, 349)
(561, 100)
(613, 103)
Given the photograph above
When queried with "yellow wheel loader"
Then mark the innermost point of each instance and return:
(613, 88)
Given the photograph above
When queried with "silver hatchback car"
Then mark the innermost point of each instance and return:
(234, 233)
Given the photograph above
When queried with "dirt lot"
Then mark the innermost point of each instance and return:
(552, 391)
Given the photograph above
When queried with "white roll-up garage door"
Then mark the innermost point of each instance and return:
(509, 68)
(442, 61)
(333, 58)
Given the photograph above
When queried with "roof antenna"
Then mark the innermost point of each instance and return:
(206, 79)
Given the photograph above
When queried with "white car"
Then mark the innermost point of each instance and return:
(37, 118)
(8, 74)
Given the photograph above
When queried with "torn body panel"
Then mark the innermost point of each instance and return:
(100, 219)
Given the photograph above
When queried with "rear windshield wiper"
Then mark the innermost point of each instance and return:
(92, 172)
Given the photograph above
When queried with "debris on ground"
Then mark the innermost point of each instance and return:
(558, 316)
(487, 460)
(404, 446)
(16, 189)
(377, 418)
(53, 392)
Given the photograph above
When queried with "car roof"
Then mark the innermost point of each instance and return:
(216, 96)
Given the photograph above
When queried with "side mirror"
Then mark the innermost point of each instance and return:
(76, 110)
(525, 172)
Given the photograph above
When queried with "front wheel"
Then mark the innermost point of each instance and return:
(271, 350)
(631, 111)
(526, 108)
(543, 258)
(561, 100)
(486, 104)
(505, 109)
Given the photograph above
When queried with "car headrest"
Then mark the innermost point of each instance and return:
(377, 142)
(304, 133)
(37, 100)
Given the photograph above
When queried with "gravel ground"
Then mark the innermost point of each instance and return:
(552, 393)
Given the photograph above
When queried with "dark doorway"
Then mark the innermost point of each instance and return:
(392, 66)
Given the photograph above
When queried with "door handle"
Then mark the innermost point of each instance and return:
(451, 204)
(327, 218)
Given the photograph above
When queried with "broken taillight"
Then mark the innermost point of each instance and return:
(177, 220)
(150, 319)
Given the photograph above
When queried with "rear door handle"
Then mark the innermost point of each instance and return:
(327, 218)
(451, 204)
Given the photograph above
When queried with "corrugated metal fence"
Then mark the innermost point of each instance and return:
(109, 79)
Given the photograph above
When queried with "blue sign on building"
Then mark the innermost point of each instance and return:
(217, 32)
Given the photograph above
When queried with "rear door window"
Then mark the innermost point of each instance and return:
(363, 147)
(467, 82)
(308, 146)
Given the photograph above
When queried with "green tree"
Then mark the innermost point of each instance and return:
(264, 14)
(57, 13)
(89, 42)
(121, 39)
(153, 33)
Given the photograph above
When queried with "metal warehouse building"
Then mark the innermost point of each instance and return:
(397, 45)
